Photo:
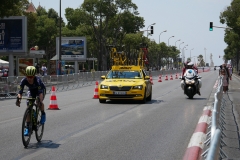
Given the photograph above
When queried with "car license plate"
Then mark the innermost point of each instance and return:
(119, 93)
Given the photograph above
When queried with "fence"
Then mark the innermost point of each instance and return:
(9, 85)
(214, 152)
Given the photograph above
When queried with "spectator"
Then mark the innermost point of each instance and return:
(44, 70)
(230, 72)
(223, 71)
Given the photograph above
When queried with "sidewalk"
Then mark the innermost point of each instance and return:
(231, 133)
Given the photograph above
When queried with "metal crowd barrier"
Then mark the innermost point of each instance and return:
(214, 140)
(9, 85)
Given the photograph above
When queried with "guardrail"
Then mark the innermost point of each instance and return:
(217, 122)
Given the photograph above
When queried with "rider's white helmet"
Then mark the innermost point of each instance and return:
(190, 64)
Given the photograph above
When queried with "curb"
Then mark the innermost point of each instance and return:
(196, 144)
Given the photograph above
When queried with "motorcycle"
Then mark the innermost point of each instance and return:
(190, 82)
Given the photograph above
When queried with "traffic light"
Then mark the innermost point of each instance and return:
(151, 29)
(211, 26)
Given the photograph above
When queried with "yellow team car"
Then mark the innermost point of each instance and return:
(125, 82)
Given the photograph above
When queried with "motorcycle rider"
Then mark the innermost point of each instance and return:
(190, 65)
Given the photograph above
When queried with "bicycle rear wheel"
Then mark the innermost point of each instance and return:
(39, 127)
(26, 139)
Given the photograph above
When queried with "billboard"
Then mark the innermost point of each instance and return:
(72, 48)
(13, 35)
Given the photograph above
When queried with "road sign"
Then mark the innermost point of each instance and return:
(37, 52)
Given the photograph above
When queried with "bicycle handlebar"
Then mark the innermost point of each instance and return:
(18, 101)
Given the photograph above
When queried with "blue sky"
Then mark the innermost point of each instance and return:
(187, 20)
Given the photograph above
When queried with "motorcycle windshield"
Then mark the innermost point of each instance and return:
(190, 74)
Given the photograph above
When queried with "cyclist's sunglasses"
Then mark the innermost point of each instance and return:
(30, 77)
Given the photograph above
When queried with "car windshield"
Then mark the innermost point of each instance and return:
(124, 75)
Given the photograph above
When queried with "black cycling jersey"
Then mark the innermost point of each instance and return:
(35, 89)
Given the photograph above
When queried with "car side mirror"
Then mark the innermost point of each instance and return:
(147, 77)
(103, 77)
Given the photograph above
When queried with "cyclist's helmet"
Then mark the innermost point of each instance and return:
(31, 71)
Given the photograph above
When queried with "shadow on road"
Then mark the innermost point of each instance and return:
(43, 144)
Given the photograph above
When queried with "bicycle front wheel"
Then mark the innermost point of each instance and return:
(39, 127)
(25, 126)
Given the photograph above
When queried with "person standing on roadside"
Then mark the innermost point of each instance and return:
(44, 70)
(223, 71)
(230, 72)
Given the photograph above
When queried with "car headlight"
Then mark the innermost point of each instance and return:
(103, 87)
(190, 81)
(138, 87)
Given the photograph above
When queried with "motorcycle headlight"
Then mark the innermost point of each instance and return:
(190, 81)
(138, 87)
(103, 87)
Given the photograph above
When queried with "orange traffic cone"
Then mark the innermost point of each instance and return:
(96, 96)
(53, 100)
(171, 78)
(159, 78)
(166, 78)
(176, 76)
(151, 80)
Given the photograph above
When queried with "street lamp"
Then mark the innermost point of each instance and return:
(159, 43)
(180, 45)
(180, 51)
(184, 53)
(190, 53)
(160, 35)
(205, 56)
(168, 39)
(176, 42)
(148, 27)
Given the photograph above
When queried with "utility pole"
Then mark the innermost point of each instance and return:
(60, 42)
(205, 57)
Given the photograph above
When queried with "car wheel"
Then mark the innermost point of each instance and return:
(149, 98)
(102, 101)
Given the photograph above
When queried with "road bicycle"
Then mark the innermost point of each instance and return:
(33, 114)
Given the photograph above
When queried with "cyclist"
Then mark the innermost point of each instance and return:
(35, 88)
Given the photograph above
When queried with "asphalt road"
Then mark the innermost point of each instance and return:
(124, 130)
